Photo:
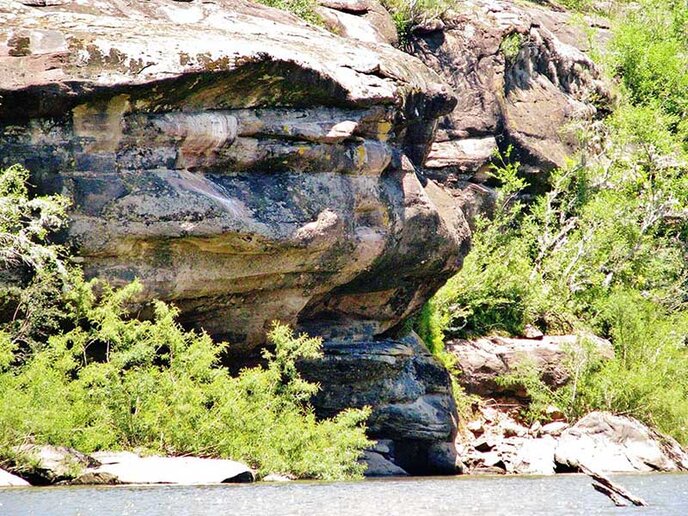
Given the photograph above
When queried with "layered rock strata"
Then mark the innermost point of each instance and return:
(243, 165)
(249, 167)
(409, 393)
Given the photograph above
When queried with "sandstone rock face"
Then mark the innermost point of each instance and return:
(242, 164)
(483, 360)
(364, 20)
(248, 167)
(521, 79)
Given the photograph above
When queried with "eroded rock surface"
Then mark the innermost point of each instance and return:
(522, 79)
(408, 390)
(247, 167)
(482, 361)
(605, 442)
(497, 443)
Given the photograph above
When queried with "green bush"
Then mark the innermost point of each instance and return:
(650, 56)
(302, 8)
(407, 13)
(603, 251)
(511, 45)
(118, 383)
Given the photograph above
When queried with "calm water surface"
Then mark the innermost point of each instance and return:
(558, 495)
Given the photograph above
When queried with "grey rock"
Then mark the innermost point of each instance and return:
(555, 428)
(408, 391)
(383, 447)
(443, 459)
(363, 20)
(276, 477)
(128, 468)
(53, 464)
(379, 466)
(7, 479)
(608, 443)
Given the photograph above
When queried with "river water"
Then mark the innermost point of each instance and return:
(456, 496)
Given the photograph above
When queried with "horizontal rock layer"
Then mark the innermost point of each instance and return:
(408, 390)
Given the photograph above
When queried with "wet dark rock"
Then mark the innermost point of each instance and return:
(408, 391)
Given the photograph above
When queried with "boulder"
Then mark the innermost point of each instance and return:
(483, 360)
(7, 479)
(128, 468)
(364, 20)
(379, 466)
(534, 456)
(608, 443)
(554, 428)
(276, 477)
(52, 464)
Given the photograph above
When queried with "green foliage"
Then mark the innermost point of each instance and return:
(302, 8)
(408, 13)
(25, 223)
(603, 250)
(113, 382)
(32, 269)
(511, 46)
(650, 56)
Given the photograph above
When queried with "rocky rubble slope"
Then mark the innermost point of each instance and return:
(603, 442)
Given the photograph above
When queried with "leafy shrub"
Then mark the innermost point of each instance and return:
(407, 13)
(113, 382)
(25, 223)
(650, 55)
(604, 250)
(511, 46)
(302, 8)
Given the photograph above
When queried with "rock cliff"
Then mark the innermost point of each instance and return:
(248, 167)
